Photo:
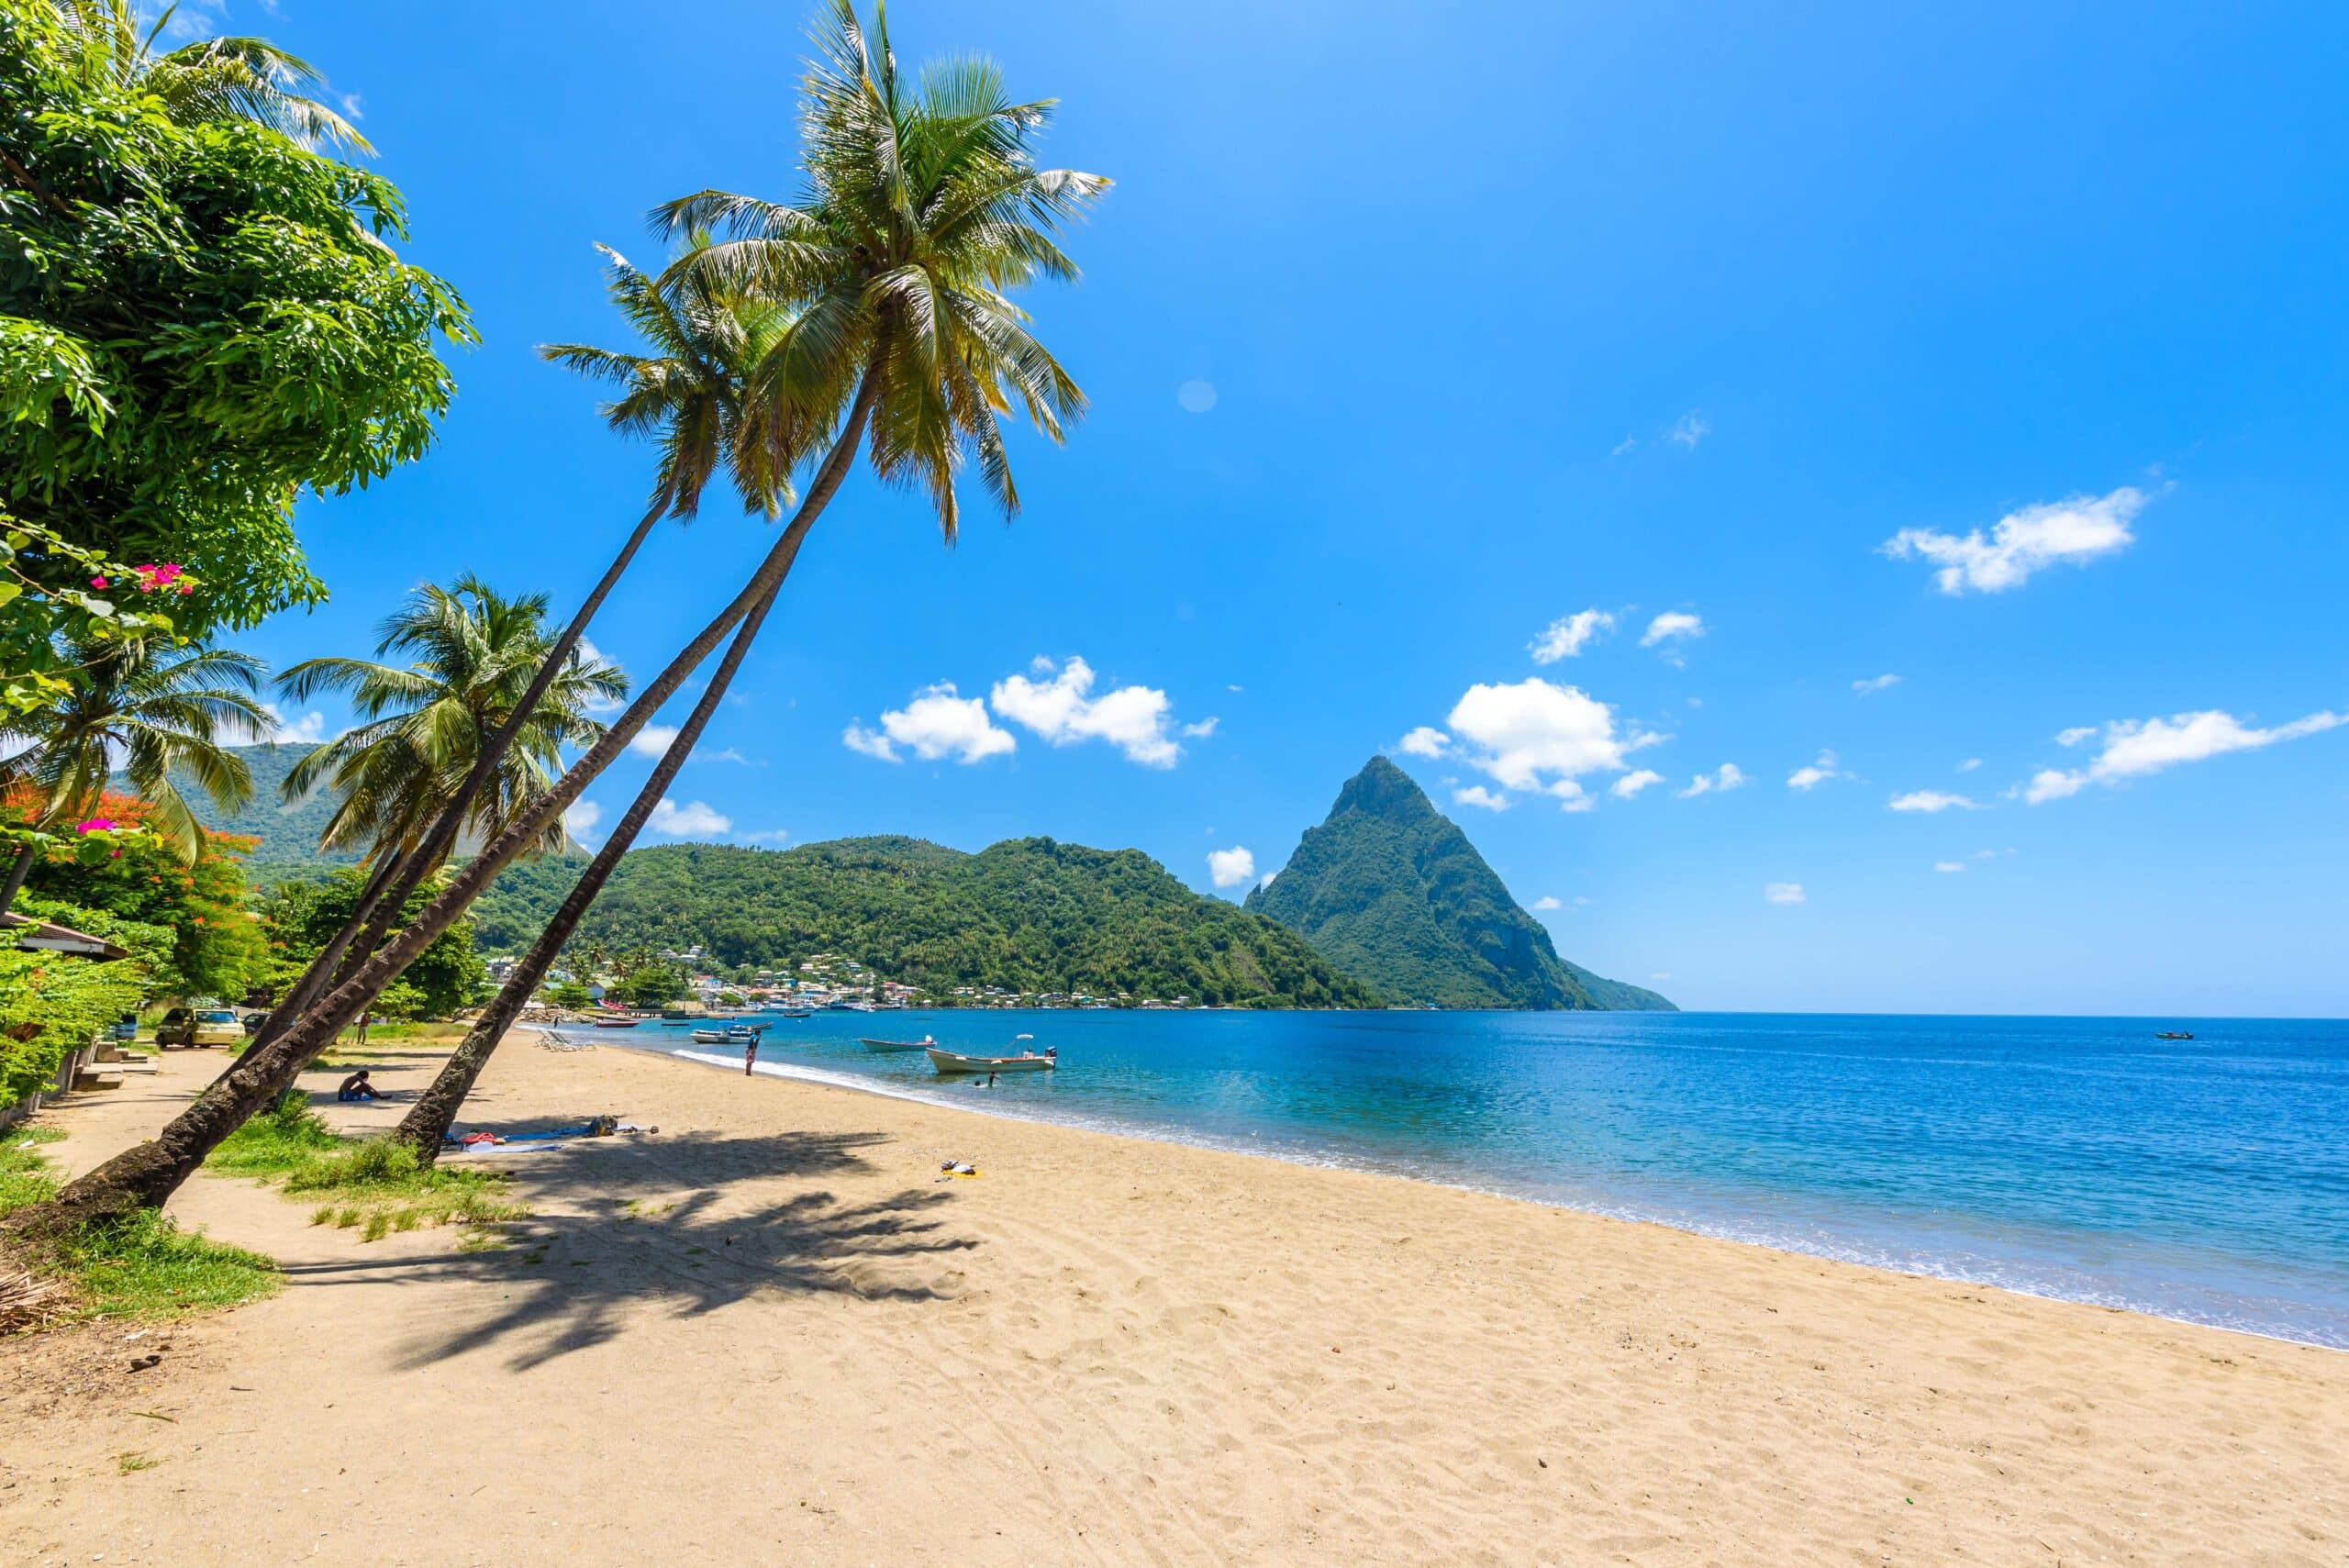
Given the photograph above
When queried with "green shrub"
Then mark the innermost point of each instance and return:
(49, 1007)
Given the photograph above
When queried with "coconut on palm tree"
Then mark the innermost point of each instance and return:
(152, 711)
(210, 79)
(923, 204)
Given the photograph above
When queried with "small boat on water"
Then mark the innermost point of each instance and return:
(798, 1013)
(950, 1062)
(924, 1043)
(740, 1034)
(618, 1023)
(2174, 1034)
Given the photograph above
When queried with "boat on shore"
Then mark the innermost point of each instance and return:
(954, 1062)
(924, 1043)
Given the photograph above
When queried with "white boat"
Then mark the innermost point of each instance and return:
(924, 1043)
(740, 1034)
(952, 1061)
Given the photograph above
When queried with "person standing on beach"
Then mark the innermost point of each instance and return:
(749, 1054)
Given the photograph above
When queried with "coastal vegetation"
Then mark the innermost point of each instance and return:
(1029, 914)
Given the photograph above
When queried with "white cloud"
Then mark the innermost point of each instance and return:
(1533, 728)
(1728, 776)
(1931, 800)
(1567, 636)
(1202, 730)
(653, 740)
(2053, 784)
(2076, 531)
(1949, 865)
(1626, 444)
(728, 755)
(1817, 773)
(1064, 711)
(2135, 747)
(767, 836)
(1572, 797)
(1425, 741)
(939, 722)
(1631, 783)
(1876, 684)
(1195, 397)
(1545, 903)
(1784, 892)
(693, 820)
(1968, 765)
(1229, 868)
(1687, 430)
(1478, 795)
(2077, 733)
(309, 730)
(1672, 625)
(579, 819)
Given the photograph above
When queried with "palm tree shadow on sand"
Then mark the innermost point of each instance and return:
(624, 1223)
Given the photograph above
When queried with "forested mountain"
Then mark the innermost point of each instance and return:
(1391, 891)
(288, 835)
(1028, 914)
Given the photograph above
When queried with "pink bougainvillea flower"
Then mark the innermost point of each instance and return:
(95, 825)
(98, 581)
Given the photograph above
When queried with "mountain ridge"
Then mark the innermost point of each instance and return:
(1390, 890)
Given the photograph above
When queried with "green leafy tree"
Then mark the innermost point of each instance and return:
(569, 994)
(198, 318)
(650, 985)
(303, 917)
(161, 710)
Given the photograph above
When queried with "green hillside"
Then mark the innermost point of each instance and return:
(1391, 891)
(1028, 914)
(288, 835)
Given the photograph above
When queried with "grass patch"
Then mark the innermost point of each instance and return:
(376, 1186)
(139, 1266)
(132, 1463)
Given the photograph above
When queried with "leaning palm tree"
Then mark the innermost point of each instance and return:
(685, 394)
(211, 79)
(876, 297)
(923, 205)
(154, 711)
(471, 654)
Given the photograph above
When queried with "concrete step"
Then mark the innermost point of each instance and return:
(86, 1082)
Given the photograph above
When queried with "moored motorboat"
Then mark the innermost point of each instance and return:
(924, 1043)
(738, 1034)
(618, 1023)
(2174, 1034)
(954, 1061)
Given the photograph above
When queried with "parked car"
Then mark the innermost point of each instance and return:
(255, 1019)
(198, 1026)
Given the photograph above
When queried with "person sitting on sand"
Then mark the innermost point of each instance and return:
(356, 1087)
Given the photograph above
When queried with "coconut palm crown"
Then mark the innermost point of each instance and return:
(923, 208)
(155, 712)
(473, 652)
(211, 79)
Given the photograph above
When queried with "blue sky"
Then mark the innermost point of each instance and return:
(1412, 335)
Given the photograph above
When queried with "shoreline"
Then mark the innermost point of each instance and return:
(1109, 1349)
(1851, 1256)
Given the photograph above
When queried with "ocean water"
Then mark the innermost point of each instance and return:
(2081, 1158)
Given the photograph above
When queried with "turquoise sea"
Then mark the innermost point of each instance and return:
(2078, 1157)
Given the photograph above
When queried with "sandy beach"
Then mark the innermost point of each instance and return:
(771, 1332)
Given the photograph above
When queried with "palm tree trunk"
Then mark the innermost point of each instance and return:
(328, 964)
(146, 1175)
(22, 868)
(428, 1120)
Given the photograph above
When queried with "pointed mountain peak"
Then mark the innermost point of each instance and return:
(1383, 790)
